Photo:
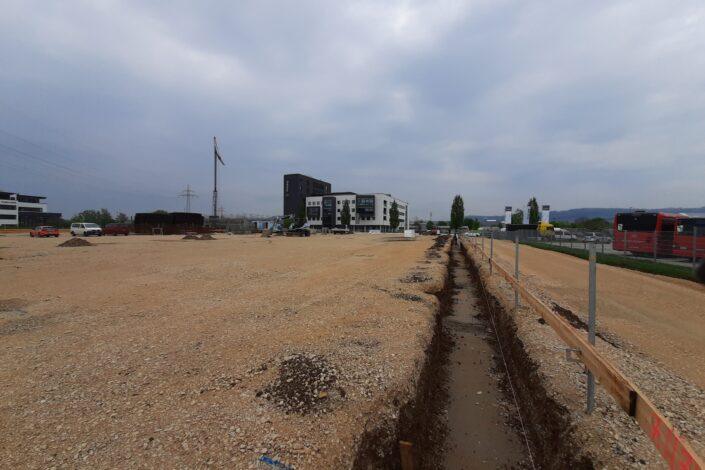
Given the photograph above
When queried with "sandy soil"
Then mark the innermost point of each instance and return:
(630, 304)
(161, 352)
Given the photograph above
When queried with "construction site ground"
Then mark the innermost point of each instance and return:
(156, 352)
(651, 327)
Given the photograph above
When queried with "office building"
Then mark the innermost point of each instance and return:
(23, 210)
(367, 211)
(297, 188)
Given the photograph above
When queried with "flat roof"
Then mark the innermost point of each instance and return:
(21, 195)
(306, 176)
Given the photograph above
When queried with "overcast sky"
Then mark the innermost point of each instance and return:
(582, 104)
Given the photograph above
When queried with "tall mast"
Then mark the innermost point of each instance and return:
(215, 178)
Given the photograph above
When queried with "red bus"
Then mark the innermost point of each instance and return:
(641, 232)
(685, 243)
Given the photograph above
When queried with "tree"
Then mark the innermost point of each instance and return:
(121, 218)
(533, 211)
(301, 214)
(345, 213)
(160, 211)
(457, 213)
(394, 216)
(595, 224)
(287, 222)
(471, 223)
(518, 216)
(101, 217)
(429, 225)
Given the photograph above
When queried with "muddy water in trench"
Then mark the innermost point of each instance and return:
(478, 434)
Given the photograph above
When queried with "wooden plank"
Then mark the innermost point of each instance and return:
(407, 457)
(673, 448)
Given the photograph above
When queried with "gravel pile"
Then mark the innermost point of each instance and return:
(304, 383)
(74, 242)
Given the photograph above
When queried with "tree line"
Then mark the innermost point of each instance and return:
(101, 217)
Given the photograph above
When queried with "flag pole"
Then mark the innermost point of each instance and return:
(215, 178)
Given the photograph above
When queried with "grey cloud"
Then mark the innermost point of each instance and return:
(578, 103)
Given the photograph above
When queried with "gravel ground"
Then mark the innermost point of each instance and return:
(162, 352)
(610, 437)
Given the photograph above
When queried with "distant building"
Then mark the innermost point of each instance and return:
(367, 211)
(297, 188)
(23, 210)
(169, 223)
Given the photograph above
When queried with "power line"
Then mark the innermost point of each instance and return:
(188, 193)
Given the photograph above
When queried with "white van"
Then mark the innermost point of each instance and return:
(86, 229)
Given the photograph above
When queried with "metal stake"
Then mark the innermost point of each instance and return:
(516, 272)
(695, 245)
(625, 242)
(483, 243)
(592, 281)
(655, 243)
(491, 249)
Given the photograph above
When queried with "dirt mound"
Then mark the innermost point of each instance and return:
(193, 236)
(415, 277)
(72, 242)
(303, 384)
(438, 244)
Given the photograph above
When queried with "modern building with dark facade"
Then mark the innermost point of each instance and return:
(297, 188)
(367, 211)
(23, 210)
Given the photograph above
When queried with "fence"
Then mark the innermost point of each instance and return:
(673, 448)
(676, 248)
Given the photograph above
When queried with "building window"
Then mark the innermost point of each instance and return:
(353, 218)
(384, 218)
(7, 216)
(7, 207)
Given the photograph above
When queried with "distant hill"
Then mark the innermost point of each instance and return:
(571, 215)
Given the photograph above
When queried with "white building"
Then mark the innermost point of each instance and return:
(367, 211)
(21, 210)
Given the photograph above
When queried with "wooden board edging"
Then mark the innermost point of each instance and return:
(673, 447)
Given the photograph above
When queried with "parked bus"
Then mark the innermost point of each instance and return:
(684, 244)
(641, 232)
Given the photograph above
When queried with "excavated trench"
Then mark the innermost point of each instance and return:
(547, 422)
(420, 421)
(438, 441)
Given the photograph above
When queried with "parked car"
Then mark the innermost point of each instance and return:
(117, 229)
(597, 238)
(86, 229)
(44, 231)
(472, 234)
